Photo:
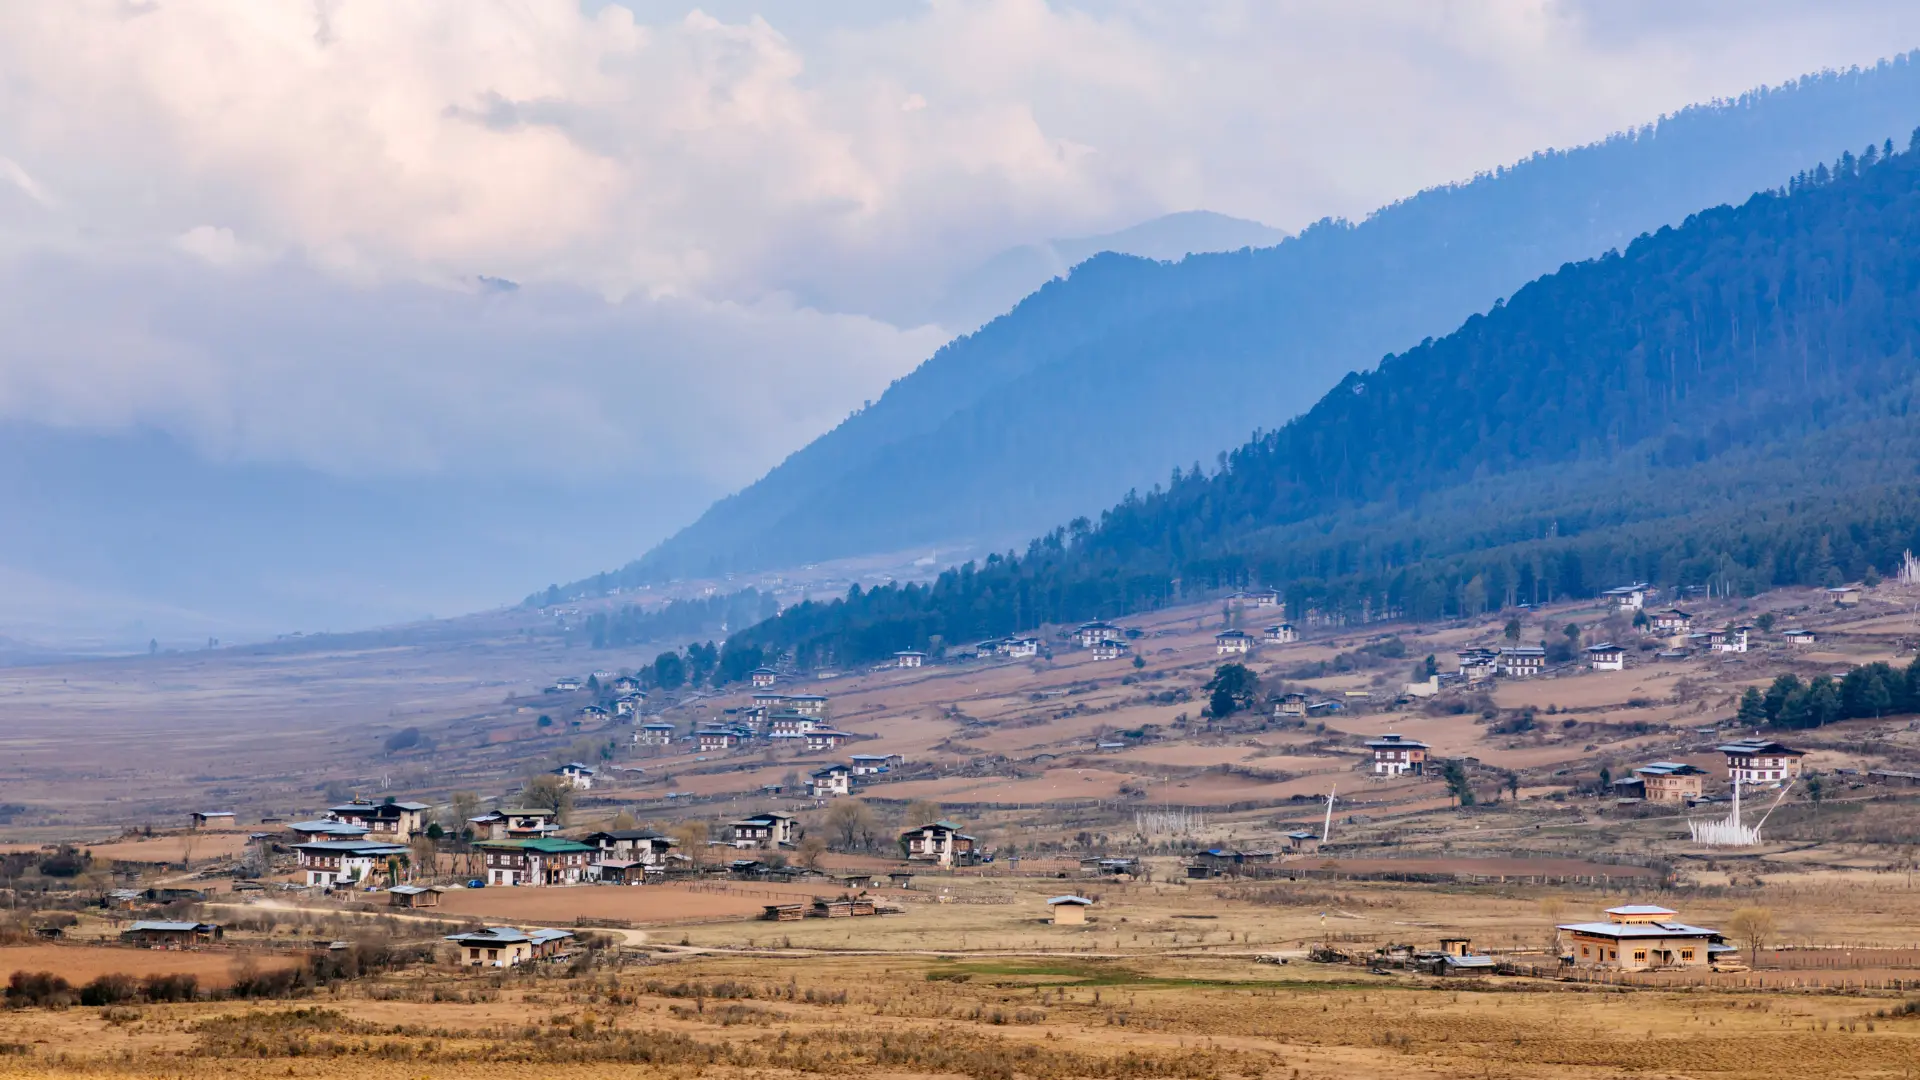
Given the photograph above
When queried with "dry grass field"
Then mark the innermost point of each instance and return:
(79, 963)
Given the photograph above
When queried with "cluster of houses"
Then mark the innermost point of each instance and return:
(626, 697)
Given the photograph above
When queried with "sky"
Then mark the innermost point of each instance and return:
(651, 243)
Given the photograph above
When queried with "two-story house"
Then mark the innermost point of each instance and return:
(1761, 761)
(328, 863)
(766, 831)
(1520, 661)
(390, 820)
(1397, 755)
(1109, 649)
(830, 781)
(1282, 634)
(763, 677)
(1232, 643)
(1606, 656)
(578, 776)
(1087, 635)
(909, 658)
(940, 842)
(525, 823)
(546, 861)
(821, 739)
(653, 733)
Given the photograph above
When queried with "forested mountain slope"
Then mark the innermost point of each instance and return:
(1729, 401)
(1101, 382)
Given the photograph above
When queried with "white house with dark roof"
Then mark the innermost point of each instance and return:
(763, 677)
(1606, 656)
(1232, 643)
(654, 733)
(579, 777)
(1109, 649)
(1733, 639)
(833, 780)
(1397, 755)
(1761, 761)
(909, 658)
(1282, 634)
(1023, 648)
(872, 764)
(825, 739)
(389, 820)
(1520, 661)
(769, 830)
(1629, 597)
(328, 863)
(1087, 635)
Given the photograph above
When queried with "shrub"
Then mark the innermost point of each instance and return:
(170, 987)
(38, 989)
(110, 990)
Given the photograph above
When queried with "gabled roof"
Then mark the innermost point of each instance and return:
(492, 935)
(1231, 634)
(1641, 909)
(831, 770)
(168, 925)
(1396, 742)
(331, 828)
(1077, 901)
(625, 834)
(1640, 930)
(546, 845)
(1671, 768)
(1605, 647)
(1760, 746)
(415, 890)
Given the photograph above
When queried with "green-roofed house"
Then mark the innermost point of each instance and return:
(548, 860)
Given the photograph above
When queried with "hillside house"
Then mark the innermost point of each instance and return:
(327, 863)
(389, 820)
(909, 658)
(939, 842)
(1606, 656)
(1478, 665)
(1520, 661)
(1023, 648)
(1232, 643)
(625, 684)
(873, 764)
(1629, 597)
(763, 677)
(1397, 755)
(1068, 910)
(525, 823)
(715, 740)
(578, 776)
(770, 702)
(812, 705)
(1640, 937)
(830, 781)
(1672, 622)
(1671, 782)
(1282, 634)
(1264, 598)
(822, 739)
(547, 861)
(766, 831)
(1797, 636)
(1291, 706)
(565, 686)
(792, 723)
(1090, 634)
(1844, 595)
(1109, 649)
(1733, 639)
(654, 733)
(1302, 842)
(325, 829)
(414, 896)
(212, 820)
(1761, 761)
(171, 934)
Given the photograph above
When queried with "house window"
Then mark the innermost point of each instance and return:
(1613, 954)
(1686, 954)
(1640, 955)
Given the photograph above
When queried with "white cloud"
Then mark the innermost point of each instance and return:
(258, 223)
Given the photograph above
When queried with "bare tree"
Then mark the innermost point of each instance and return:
(850, 821)
(810, 851)
(1755, 927)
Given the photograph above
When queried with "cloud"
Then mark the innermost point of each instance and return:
(263, 225)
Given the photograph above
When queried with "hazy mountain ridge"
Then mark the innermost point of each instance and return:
(1103, 381)
(1728, 402)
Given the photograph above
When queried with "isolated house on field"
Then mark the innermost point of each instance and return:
(1090, 634)
(654, 733)
(1844, 595)
(1761, 761)
(414, 896)
(1519, 662)
(391, 820)
(940, 842)
(578, 776)
(872, 764)
(1606, 656)
(565, 686)
(909, 658)
(1282, 634)
(328, 863)
(1109, 649)
(1641, 937)
(1397, 755)
(171, 934)
(1671, 782)
(1068, 910)
(1301, 842)
(1264, 598)
(1290, 707)
(526, 823)
(763, 677)
(546, 861)
(1797, 636)
(212, 820)
(1023, 648)
(830, 781)
(1232, 643)
(505, 946)
(766, 831)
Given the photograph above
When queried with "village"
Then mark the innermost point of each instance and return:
(1593, 794)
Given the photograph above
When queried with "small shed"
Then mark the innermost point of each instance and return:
(212, 819)
(785, 912)
(1068, 910)
(166, 934)
(414, 896)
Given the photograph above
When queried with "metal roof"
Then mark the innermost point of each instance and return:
(1077, 900)
(1639, 930)
(166, 925)
(1641, 909)
(353, 847)
(492, 935)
